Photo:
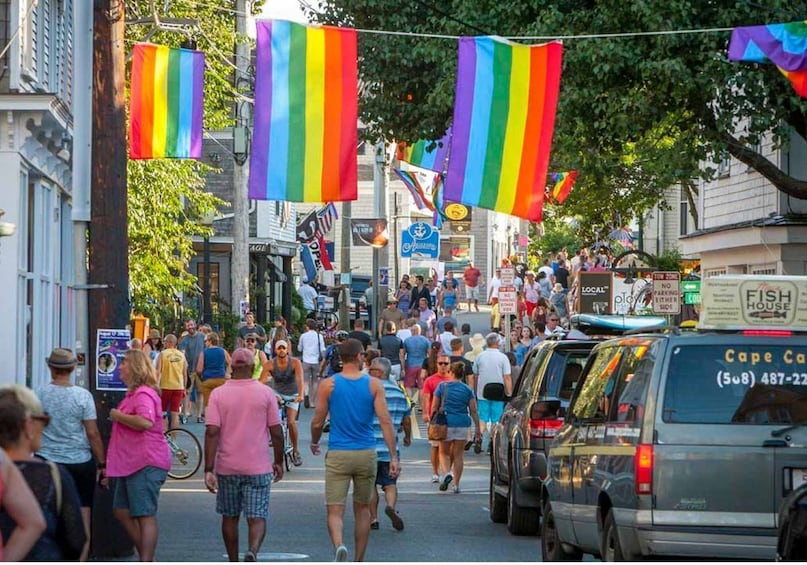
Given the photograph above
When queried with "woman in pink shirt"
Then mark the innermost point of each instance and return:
(138, 456)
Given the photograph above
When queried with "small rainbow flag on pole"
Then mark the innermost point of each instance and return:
(304, 147)
(431, 155)
(562, 185)
(504, 117)
(785, 45)
(165, 114)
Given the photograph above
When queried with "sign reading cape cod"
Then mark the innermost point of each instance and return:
(420, 241)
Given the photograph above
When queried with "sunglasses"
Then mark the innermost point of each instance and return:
(250, 340)
(44, 418)
(442, 363)
(280, 347)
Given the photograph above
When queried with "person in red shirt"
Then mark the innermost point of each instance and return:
(429, 386)
(470, 277)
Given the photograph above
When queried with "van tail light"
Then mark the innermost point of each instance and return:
(546, 428)
(768, 333)
(643, 468)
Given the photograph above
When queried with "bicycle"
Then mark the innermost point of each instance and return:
(186, 453)
(288, 448)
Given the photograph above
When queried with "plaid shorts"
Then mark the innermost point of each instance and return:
(244, 493)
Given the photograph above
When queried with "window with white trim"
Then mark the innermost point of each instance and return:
(714, 272)
(764, 269)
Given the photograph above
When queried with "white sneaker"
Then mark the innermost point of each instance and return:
(435, 479)
(341, 553)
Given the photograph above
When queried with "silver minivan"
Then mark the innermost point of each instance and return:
(679, 444)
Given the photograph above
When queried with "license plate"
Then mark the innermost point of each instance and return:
(798, 477)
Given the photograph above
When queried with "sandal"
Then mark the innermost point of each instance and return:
(200, 420)
(296, 459)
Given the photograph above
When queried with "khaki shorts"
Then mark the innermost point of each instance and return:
(471, 292)
(342, 467)
(209, 385)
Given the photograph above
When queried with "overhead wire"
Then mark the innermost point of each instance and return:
(14, 35)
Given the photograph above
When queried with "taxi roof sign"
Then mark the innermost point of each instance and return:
(738, 302)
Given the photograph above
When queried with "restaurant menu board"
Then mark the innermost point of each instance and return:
(733, 302)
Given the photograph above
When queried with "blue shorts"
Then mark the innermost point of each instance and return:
(290, 403)
(382, 477)
(244, 493)
(489, 410)
(139, 492)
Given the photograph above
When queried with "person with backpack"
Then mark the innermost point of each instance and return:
(331, 362)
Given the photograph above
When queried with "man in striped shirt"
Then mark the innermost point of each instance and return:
(400, 412)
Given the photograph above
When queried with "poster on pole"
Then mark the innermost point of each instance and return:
(109, 349)
(596, 292)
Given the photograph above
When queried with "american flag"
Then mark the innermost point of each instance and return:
(326, 217)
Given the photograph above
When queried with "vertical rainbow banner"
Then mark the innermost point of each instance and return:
(504, 118)
(785, 45)
(304, 146)
(165, 113)
(431, 155)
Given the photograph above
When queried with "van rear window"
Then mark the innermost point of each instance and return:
(713, 384)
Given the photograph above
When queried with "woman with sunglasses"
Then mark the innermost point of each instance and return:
(22, 421)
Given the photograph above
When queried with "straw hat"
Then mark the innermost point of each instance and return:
(61, 358)
(154, 334)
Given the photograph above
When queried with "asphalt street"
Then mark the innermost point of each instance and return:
(439, 526)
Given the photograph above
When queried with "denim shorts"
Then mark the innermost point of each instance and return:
(244, 493)
(382, 477)
(139, 492)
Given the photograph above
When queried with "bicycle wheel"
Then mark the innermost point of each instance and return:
(330, 319)
(186, 453)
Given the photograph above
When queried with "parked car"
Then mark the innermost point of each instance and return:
(681, 443)
(530, 420)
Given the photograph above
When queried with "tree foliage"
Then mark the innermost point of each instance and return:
(167, 197)
(636, 115)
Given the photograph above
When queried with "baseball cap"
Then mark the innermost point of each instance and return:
(281, 342)
(242, 357)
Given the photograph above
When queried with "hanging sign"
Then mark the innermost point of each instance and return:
(421, 241)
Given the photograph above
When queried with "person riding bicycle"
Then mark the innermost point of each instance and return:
(285, 375)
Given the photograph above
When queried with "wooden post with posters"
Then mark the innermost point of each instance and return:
(108, 304)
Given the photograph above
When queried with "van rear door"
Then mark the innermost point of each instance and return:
(712, 458)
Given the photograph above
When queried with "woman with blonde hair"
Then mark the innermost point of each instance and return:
(22, 421)
(139, 457)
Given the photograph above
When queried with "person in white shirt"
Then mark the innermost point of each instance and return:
(494, 286)
(490, 366)
(547, 268)
(532, 292)
(309, 296)
(312, 350)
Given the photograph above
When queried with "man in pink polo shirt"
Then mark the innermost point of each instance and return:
(241, 416)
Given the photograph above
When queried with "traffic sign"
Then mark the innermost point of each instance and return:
(667, 292)
(508, 276)
(507, 299)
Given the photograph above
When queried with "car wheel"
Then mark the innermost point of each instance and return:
(551, 547)
(521, 521)
(610, 550)
(497, 503)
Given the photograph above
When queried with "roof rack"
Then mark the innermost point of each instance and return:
(675, 330)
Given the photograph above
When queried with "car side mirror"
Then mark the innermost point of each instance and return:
(494, 391)
(546, 410)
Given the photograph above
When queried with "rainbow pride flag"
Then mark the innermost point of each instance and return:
(304, 147)
(431, 155)
(412, 183)
(165, 113)
(562, 185)
(504, 117)
(785, 45)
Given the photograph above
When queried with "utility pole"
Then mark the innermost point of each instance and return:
(380, 256)
(344, 265)
(240, 254)
(108, 305)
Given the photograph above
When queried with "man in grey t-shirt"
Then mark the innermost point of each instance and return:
(192, 346)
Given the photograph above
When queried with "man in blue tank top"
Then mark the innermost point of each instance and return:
(352, 399)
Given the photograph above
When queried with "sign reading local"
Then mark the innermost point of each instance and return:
(738, 302)
(596, 292)
(420, 240)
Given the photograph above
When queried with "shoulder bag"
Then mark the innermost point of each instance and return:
(438, 424)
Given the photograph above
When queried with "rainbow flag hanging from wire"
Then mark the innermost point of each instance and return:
(785, 45)
(412, 183)
(504, 117)
(562, 185)
(165, 113)
(304, 147)
(431, 155)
